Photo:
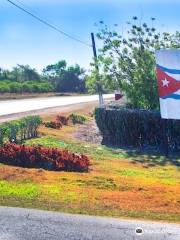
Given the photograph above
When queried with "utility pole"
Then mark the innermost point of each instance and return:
(99, 88)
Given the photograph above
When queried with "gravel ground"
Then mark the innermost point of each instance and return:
(89, 132)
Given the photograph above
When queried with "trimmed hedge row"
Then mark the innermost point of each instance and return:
(137, 128)
(19, 130)
(47, 158)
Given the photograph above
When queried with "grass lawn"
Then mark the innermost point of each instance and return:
(119, 184)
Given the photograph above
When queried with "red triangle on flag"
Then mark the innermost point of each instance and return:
(166, 84)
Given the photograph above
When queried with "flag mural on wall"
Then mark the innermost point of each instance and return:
(168, 76)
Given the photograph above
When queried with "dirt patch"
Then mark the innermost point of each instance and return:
(89, 132)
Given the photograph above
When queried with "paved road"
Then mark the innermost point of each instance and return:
(24, 224)
(25, 105)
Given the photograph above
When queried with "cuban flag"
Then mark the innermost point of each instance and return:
(168, 76)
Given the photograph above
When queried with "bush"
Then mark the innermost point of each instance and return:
(7, 86)
(53, 124)
(46, 158)
(3, 130)
(136, 128)
(4, 88)
(62, 119)
(77, 119)
(19, 130)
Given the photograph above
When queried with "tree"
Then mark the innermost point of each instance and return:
(23, 73)
(4, 74)
(130, 62)
(55, 70)
(105, 81)
(66, 79)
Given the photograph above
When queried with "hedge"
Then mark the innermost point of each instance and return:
(19, 130)
(47, 158)
(8, 86)
(122, 127)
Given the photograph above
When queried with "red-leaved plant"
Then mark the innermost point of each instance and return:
(47, 158)
(62, 119)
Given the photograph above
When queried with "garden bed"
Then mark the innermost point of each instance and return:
(47, 158)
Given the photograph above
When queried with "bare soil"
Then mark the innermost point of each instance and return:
(89, 132)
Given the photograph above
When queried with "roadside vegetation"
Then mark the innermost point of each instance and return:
(116, 182)
(19, 130)
(57, 77)
(119, 183)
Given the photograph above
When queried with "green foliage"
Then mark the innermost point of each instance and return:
(130, 62)
(77, 119)
(106, 83)
(66, 79)
(136, 128)
(20, 73)
(3, 129)
(20, 130)
(56, 77)
(8, 86)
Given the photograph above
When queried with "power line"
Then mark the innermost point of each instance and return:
(48, 24)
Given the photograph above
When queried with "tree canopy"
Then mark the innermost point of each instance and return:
(56, 77)
(66, 78)
(128, 62)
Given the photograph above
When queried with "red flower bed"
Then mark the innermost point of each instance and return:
(62, 119)
(46, 158)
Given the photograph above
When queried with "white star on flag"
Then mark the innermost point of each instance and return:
(165, 83)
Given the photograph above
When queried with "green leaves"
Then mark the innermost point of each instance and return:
(20, 130)
(130, 63)
(66, 78)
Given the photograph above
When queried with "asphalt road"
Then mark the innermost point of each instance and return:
(26, 105)
(25, 224)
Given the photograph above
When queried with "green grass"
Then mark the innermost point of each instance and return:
(96, 151)
(22, 190)
(118, 184)
(154, 173)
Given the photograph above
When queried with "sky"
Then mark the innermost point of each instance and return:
(24, 40)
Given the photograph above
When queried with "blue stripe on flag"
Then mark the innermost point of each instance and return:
(173, 96)
(173, 71)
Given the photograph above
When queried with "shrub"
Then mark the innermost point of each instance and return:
(62, 119)
(53, 124)
(4, 88)
(12, 129)
(2, 133)
(136, 128)
(77, 119)
(7, 86)
(19, 130)
(31, 124)
(46, 158)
